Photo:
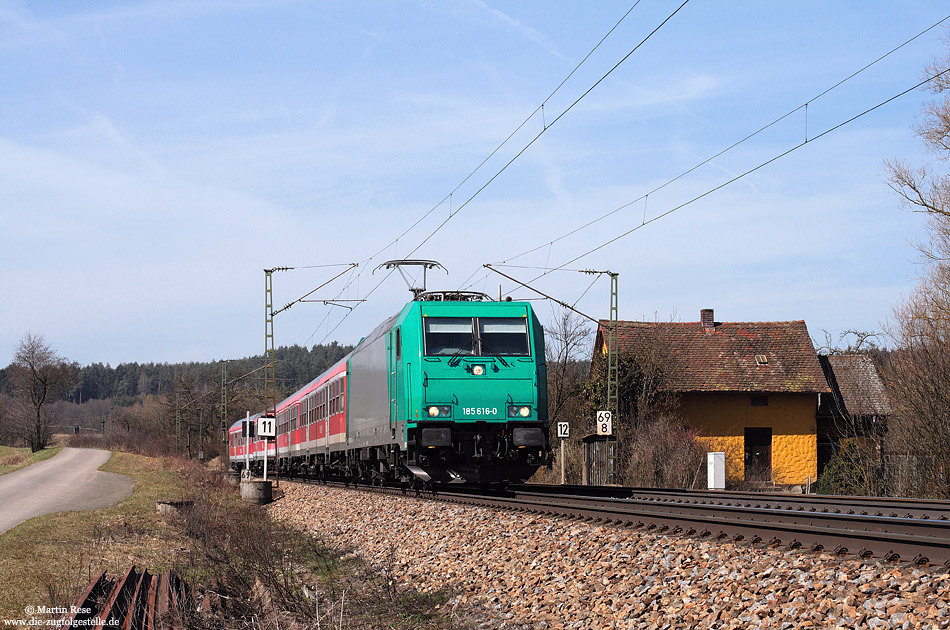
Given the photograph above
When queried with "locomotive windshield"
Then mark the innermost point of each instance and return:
(503, 336)
(449, 335)
(497, 336)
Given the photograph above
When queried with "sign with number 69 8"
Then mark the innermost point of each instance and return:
(605, 423)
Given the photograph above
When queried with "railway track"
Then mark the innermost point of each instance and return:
(908, 530)
(864, 506)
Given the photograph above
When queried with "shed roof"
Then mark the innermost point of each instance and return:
(855, 384)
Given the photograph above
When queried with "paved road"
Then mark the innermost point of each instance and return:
(67, 481)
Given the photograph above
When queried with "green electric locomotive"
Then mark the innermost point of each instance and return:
(463, 393)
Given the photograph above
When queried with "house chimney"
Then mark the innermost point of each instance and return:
(706, 317)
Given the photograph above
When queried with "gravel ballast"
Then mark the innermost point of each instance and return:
(529, 571)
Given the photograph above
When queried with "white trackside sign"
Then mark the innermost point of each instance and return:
(266, 427)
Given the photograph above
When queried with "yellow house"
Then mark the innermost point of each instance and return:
(750, 389)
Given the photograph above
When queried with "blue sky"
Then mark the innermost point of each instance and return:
(155, 157)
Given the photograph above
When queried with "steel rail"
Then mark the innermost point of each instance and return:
(867, 506)
(893, 538)
(132, 602)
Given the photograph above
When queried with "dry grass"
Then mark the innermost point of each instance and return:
(16, 458)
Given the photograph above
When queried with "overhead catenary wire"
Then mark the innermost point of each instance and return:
(645, 221)
(454, 212)
(394, 243)
(547, 127)
(539, 108)
(729, 148)
(312, 291)
(645, 197)
(745, 173)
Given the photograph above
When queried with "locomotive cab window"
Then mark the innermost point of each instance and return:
(503, 336)
(449, 336)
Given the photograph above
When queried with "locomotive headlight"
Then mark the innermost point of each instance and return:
(436, 411)
(478, 370)
(515, 411)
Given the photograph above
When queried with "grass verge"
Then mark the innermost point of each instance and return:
(12, 458)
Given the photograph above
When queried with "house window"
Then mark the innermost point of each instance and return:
(761, 359)
(760, 401)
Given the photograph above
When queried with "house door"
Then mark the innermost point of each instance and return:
(758, 454)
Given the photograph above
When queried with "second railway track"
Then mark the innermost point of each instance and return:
(893, 529)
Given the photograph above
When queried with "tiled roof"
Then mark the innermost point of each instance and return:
(857, 388)
(723, 356)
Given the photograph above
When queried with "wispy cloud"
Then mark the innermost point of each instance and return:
(526, 31)
(20, 29)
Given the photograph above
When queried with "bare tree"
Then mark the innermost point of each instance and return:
(7, 434)
(38, 376)
(918, 372)
(864, 342)
(567, 346)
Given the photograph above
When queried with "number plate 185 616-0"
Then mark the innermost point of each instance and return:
(479, 411)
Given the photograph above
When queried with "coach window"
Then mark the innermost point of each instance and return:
(449, 336)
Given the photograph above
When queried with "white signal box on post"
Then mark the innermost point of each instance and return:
(266, 427)
(605, 423)
(563, 430)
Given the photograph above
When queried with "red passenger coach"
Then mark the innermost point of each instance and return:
(309, 422)
(314, 417)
